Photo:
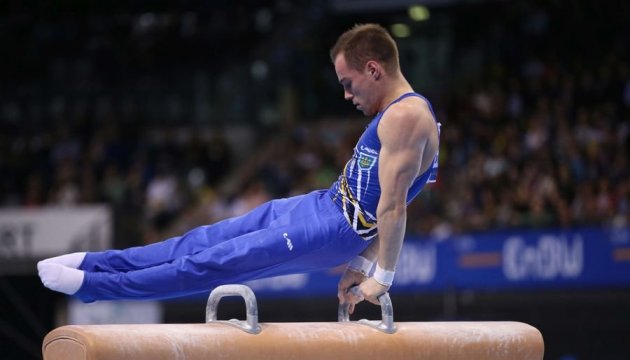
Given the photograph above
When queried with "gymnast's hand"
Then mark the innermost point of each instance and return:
(349, 279)
(370, 290)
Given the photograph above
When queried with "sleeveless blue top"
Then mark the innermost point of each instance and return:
(357, 191)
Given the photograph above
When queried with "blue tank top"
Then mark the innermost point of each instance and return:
(357, 191)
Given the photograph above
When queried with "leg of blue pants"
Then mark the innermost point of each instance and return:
(311, 235)
(194, 241)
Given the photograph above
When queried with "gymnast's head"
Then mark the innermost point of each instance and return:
(365, 57)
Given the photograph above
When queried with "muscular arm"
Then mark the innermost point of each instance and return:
(403, 133)
(402, 144)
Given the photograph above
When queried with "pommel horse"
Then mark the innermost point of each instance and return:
(249, 339)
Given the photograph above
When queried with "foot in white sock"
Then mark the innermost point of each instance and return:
(70, 260)
(59, 277)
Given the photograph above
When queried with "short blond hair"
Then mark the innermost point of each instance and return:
(365, 42)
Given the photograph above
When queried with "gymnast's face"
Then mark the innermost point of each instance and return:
(358, 86)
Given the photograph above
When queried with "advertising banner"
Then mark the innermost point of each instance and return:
(502, 260)
(27, 234)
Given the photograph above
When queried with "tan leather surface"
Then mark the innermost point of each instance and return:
(301, 341)
(65, 347)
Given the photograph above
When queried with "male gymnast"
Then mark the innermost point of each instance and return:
(359, 220)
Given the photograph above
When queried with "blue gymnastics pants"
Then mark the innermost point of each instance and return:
(286, 236)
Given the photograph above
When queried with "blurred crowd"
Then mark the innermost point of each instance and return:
(538, 150)
(147, 178)
(537, 137)
(540, 137)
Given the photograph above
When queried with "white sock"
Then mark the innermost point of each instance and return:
(70, 260)
(59, 277)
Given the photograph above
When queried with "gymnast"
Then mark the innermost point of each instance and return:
(360, 220)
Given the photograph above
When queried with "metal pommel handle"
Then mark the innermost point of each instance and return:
(251, 307)
(386, 324)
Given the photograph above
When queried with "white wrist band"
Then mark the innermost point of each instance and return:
(383, 277)
(362, 265)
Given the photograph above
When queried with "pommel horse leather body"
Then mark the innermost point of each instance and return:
(303, 341)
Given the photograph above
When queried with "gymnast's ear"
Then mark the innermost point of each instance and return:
(373, 69)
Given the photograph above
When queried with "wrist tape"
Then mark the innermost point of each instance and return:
(362, 265)
(383, 277)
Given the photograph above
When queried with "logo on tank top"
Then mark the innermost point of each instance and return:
(366, 162)
(366, 157)
(369, 150)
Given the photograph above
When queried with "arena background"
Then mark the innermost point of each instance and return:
(127, 122)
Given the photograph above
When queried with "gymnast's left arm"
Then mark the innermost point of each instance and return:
(403, 134)
(356, 273)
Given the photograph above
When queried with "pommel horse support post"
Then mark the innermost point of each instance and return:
(250, 340)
